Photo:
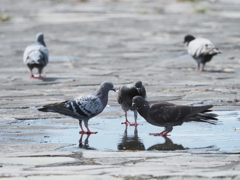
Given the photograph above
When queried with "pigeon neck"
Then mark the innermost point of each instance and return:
(43, 43)
(40, 40)
(103, 96)
(143, 109)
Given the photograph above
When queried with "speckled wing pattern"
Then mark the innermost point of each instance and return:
(85, 106)
(34, 52)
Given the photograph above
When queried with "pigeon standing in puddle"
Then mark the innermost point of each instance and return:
(201, 49)
(83, 108)
(36, 56)
(167, 115)
(125, 95)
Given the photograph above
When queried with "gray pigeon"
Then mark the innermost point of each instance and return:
(83, 108)
(125, 95)
(167, 115)
(36, 56)
(201, 49)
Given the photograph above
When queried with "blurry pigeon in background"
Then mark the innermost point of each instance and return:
(201, 49)
(125, 95)
(167, 115)
(36, 56)
(83, 108)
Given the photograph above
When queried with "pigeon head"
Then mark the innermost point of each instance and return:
(138, 102)
(188, 39)
(138, 86)
(107, 86)
(40, 38)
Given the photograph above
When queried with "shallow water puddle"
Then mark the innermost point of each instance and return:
(113, 136)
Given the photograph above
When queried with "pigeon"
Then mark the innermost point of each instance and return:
(83, 108)
(125, 95)
(36, 56)
(201, 49)
(160, 113)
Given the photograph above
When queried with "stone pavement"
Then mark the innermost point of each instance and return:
(120, 41)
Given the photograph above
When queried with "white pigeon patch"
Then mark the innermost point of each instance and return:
(199, 46)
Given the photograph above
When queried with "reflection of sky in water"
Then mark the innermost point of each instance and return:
(112, 135)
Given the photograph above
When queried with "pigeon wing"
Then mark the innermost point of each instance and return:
(62, 108)
(165, 112)
(87, 106)
(119, 98)
(200, 46)
(83, 107)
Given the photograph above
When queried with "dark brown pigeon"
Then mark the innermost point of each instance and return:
(167, 115)
(83, 108)
(201, 49)
(125, 95)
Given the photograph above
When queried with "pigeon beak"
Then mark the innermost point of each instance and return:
(113, 89)
(134, 107)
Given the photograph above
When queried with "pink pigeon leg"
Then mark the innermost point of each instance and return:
(81, 131)
(202, 69)
(126, 122)
(135, 118)
(31, 74)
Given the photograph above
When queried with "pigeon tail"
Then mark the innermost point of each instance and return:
(44, 109)
(214, 52)
(203, 117)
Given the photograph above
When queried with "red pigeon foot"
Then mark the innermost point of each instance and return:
(126, 122)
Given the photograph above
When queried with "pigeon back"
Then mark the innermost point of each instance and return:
(36, 53)
(199, 47)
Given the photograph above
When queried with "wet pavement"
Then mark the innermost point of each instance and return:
(192, 136)
(119, 41)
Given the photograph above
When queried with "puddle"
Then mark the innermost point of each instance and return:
(113, 136)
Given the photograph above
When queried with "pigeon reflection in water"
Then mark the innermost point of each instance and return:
(168, 145)
(131, 143)
(85, 145)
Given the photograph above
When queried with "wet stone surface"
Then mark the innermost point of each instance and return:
(189, 137)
